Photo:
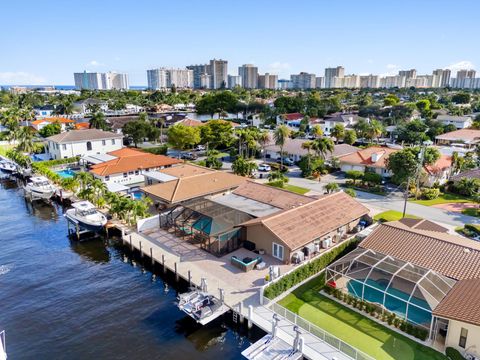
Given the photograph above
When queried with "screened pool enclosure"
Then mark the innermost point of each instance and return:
(411, 292)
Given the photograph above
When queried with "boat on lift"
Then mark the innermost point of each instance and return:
(7, 166)
(86, 216)
(39, 187)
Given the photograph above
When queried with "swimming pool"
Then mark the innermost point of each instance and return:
(66, 173)
(395, 299)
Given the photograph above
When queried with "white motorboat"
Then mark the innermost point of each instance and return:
(86, 216)
(39, 187)
(7, 166)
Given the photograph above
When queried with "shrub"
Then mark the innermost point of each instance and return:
(430, 194)
(372, 178)
(309, 269)
(453, 354)
(354, 175)
(350, 192)
(158, 150)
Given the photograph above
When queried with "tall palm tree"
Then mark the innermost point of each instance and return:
(84, 178)
(263, 139)
(25, 140)
(375, 129)
(308, 145)
(317, 131)
(99, 189)
(280, 137)
(323, 146)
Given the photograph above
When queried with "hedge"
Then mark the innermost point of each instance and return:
(453, 354)
(50, 163)
(313, 267)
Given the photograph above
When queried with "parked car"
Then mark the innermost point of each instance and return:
(188, 156)
(286, 161)
(264, 167)
(200, 148)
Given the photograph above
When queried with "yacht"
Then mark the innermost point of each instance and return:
(7, 166)
(39, 187)
(86, 216)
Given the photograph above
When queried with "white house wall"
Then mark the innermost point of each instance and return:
(66, 150)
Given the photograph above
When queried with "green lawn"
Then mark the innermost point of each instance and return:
(353, 328)
(471, 212)
(444, 199)
(292, 188)
(392, 215)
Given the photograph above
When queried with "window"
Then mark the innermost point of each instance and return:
(104, 142)
(463, 338)
(64, 146)
(125, 175)
(130, 172)
(277, 251)
(107, 178)
(89, 146)
(113, 141)
(137, 172)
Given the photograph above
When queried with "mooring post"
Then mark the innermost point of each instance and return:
(131, 245)
(140, 245)
(151, 256)
(163, 264)
(300, 344)
(189, 278)
(240, 311)
(250, 314)
(176, 273)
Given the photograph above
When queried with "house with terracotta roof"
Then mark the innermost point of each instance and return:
(82, 143)
(467, 138)
(129, 167)
(190, 122)
(63, 122)
(423, 275)
(304, 229)
(369, 159)
(437, 173)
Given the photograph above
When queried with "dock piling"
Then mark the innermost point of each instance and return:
(131, 245)
(141, 252)
(151, 257)
(240, 311)
(176, 272)
(163, 264)
(250, 315)
(189, 278)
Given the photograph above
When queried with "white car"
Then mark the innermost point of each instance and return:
(264, 167)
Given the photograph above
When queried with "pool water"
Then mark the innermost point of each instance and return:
(393, 304)
(66, 174)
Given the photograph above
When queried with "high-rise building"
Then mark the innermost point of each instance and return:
(249, 75)
(268, 81)
(331, 73)
(420, 81)
(466, 74)
(349, 81)
(319, 82)
(441, 78)
(465, 79)
(393, 81)
(164, 78)
(206, 81)
(198, 71)
(218, 69)
(409, 74)
(100, 81)
(234, 80)
(369, 81)
(284, 84)
(303, 81)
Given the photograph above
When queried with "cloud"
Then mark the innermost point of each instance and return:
(278, 67)
(461, 65)
(95, 63)
(20, 78)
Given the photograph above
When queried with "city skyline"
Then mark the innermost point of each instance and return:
(306, 37)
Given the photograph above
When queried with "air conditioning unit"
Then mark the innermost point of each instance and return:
(326, 243)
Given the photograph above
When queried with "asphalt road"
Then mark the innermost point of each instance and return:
(391, 203)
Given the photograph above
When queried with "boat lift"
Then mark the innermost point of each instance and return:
(271, 347)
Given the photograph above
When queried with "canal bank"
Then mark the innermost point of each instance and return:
(68, 300)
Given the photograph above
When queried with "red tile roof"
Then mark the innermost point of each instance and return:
(364, 156)
(293, 116)
(131, 160)
(442, 164)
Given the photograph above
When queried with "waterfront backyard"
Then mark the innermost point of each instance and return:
(353, 328)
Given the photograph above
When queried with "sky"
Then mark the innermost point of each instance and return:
(45, 42)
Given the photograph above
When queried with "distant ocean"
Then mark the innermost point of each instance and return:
(60, 87)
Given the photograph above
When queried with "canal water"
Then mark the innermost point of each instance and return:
(60, 299)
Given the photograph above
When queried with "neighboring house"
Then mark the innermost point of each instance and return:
(369, 159)
(129, 166)
(460, 122)
(435, 275)
(467, 138)
(471, 174)
(293, 149)
(63, 122)
(83, 106)
(44, 111)
(439, 172)
(306, 228)
(190, 122)
(82, 142)
(347, 120)
(292, 119)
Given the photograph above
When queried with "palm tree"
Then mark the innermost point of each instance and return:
(280, 137)
(332, 187)
(263, 139)
(99, 189)
(84, 178)
(338, 132)
(375, 129)
(308, 145)
(323, 146)
(25, 140)
(97, 121)
(317, 131)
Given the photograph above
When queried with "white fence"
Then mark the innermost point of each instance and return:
(148, 223)
(320, 333)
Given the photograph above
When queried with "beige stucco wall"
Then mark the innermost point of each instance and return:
(473, 338)
(264, 239)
